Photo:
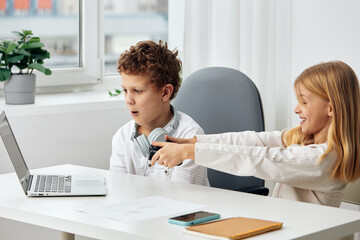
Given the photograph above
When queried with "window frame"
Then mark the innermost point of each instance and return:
(90, 74)
(90, 60)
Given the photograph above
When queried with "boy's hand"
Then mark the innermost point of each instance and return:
(172, 154)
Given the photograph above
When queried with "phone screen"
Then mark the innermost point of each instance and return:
(193, 216)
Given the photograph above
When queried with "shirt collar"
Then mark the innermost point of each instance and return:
(136, 133)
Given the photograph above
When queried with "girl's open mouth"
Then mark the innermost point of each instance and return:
(303, 120)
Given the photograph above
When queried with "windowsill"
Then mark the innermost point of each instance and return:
(65, 102)
(66, 99)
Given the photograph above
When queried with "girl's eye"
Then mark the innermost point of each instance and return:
(137, 91)
(303, 102)
(124, 90)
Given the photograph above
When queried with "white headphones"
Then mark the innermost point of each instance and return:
(156, 135)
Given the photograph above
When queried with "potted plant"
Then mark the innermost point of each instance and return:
(18, 60)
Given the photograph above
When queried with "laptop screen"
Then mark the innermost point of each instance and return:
(13, 150)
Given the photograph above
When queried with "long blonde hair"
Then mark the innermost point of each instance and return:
(337, 83)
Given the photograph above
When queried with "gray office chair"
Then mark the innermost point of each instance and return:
(352, 193)
(221, 100)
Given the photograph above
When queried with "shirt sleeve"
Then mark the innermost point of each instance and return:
(188, 171)
(296, 165)
(117, 159)
(246, 138)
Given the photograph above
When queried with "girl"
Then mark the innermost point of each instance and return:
(311, 162)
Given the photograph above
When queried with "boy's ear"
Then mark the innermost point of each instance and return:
(167, 91)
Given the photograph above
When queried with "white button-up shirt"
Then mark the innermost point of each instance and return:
(127, 157)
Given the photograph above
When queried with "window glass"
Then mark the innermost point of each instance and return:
(127, 22)
(56, 22)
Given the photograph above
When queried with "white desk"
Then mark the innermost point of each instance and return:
(301, 220)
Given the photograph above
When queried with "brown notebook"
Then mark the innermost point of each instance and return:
(233, 228)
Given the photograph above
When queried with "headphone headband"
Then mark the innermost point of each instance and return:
(174, 122)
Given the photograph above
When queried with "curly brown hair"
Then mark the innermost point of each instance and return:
(148, 57)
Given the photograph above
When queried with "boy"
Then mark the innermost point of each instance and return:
(150, 79)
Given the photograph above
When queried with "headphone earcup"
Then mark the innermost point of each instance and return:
(156, 135)
(143, 144)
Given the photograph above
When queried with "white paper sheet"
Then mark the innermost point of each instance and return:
(141, 209)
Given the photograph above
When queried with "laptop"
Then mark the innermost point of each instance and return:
(43, 184)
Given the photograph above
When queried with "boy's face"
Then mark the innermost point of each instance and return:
(144, 100)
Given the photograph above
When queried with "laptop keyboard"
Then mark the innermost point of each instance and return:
(53, 183)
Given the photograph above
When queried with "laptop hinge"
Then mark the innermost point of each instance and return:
(29, 183)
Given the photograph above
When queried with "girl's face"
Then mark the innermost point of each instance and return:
(315, 114)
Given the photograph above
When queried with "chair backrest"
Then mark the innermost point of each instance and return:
(352, 193)
(221, 100)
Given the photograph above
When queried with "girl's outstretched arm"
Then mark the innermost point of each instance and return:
(172, 154)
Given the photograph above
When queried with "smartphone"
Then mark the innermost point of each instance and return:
(194, 218)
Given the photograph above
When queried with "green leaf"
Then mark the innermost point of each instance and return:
(33, 39)
(2, 48)
(22, 45)
(38, 67)
(10, 47)
(14, 58)
(47, 71)
(23, 52)
(21, 65)
(18, 33)
(24, 61)
(38, 56)
(34, 45)
(27, 32)
(114, 94)
(7, 42)
(4, 74)
(39, 53)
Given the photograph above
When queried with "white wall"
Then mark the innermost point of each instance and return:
(73, 134)
(324, 30)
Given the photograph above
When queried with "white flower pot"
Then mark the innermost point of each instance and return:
(20, 89)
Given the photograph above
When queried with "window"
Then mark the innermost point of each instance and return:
(127, 22)
(59, 24)
(85, 38)
(40, 17)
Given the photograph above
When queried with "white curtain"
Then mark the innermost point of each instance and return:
(252, 36)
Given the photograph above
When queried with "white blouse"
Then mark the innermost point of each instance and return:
(298, 173)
